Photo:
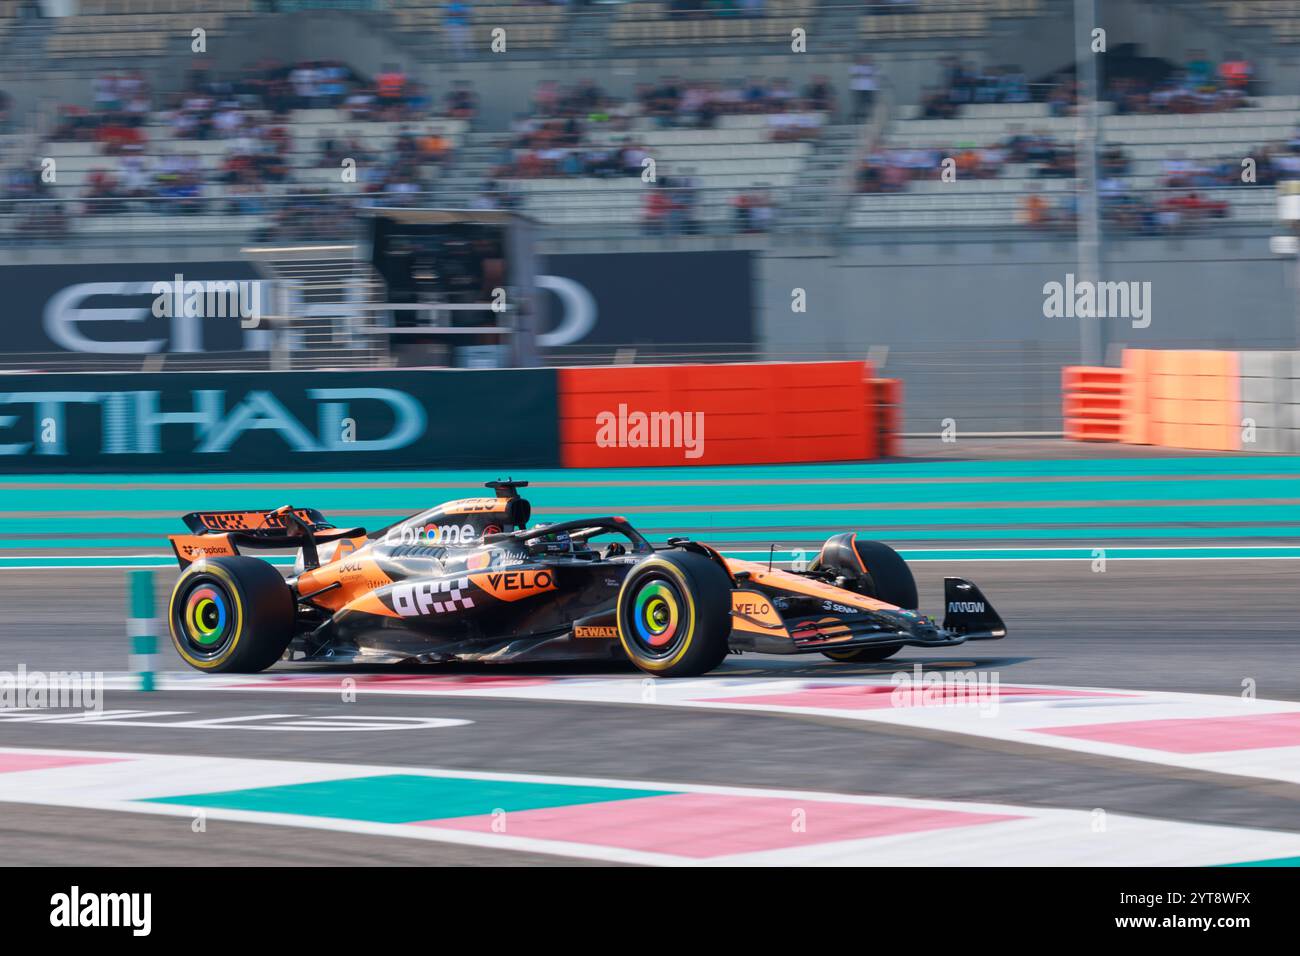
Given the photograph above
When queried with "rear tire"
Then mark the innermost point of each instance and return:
(231, 615)
(674, 614)
(876, 570)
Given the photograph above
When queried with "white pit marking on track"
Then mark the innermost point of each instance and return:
(1008, 717)
(300, 723)
(1040, 837)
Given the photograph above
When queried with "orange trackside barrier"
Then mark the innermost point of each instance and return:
(1137, 423)
(887, 395)
(1093, 403)
(1183, 398)
(767, 412)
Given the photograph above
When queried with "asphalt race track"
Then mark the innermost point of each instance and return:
(1159, 696)
(1141, 624)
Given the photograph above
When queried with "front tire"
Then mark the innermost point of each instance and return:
(876, 570)
(674, 614)
(231, 615)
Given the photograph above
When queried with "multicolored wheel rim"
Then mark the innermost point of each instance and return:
(659, 617)
(206, 618)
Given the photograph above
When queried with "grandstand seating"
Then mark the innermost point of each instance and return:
(942, 18)
(307, 129)
(738, 155)
(8, 13)
(648, 24)
(734, 157)
(1281, 17)
(131, 28)
(527, 26)
(1148, 139)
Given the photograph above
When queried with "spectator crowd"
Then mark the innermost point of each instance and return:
(1200, 85)
(582, 131)
(250, 115)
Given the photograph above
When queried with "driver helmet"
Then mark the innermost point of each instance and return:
(556, 542)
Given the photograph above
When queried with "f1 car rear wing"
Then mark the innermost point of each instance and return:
(216, 533)
(276, 522)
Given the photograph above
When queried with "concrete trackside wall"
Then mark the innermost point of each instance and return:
(1213, 293)
(964, 325)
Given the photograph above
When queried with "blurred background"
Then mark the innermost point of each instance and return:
(651, 181)
(1009, 284)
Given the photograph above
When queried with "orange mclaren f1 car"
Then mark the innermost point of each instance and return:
(469, 581)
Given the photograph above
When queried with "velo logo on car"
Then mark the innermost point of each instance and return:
(752, 608)
(473, 506)
(514, 585)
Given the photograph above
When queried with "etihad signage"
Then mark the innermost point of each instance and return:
(71, 317)
(192, 307)
(212, 421)
(279, 421)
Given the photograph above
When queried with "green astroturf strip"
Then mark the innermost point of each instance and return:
(777, 516)
(111, 561)
(406, 798)
(1086, 554)
(1190, 464)
(780, 555)
(1078, 510)
(1280, 861)
(340, 502)
(1100, 535)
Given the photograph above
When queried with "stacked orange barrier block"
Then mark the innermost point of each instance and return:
(1193, 399)
(1137, 398)
(1175, 398)
(1095, 400)
(749, 413)
(887, 395)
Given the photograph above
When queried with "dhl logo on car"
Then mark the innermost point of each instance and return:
(247, 520)
(515, 585)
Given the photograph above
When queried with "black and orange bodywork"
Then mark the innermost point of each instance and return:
(469, 581)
